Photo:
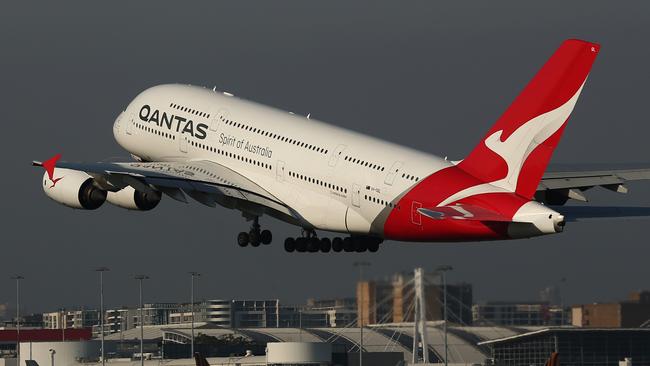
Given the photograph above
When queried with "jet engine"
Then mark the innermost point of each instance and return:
(74, 189)
(131, 199)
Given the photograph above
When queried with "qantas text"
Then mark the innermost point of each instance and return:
(173, 122)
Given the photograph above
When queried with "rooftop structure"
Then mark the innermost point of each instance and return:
(575, 346)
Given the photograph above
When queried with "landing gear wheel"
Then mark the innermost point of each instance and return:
(359, 245)
(242, 239)
(325, 245)
(373, 247)
(347, 245)
(266, 237)
(289, 245)
(313, 245)
(337, 244)
(301, 245)
(254, 238)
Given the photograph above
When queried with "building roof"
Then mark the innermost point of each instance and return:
(45, 335)
(567, 329)
(466, 344)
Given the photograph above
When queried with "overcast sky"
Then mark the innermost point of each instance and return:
(429, 75)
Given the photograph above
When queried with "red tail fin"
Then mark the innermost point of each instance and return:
(515, 152)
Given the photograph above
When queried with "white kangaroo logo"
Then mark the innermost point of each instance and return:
(517, 147)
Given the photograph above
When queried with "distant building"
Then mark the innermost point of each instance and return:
(634, 312)
(34, 321)
(391, 301)
(154, 313)
(268, 313)
(331, 313)
(575, 346)
(255, 313)
(232, 313)
(519, 314)
(115, 320)
(122, 319)
(339, 303)
(4, 310)
(9, 337)
(70, 319)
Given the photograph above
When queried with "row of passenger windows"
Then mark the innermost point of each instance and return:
(364, 163)
(379, 201)
(231, 155)
(189, 110)
(318, 182)
(155, 131)
(305, 145)
(410, 177)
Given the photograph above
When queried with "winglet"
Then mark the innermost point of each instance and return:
(49, 165)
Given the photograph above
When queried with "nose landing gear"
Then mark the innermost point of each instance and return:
(255, 236)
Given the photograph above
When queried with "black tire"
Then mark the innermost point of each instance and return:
(325, 245)
(373, 246)
(347, 245)
(290, 245)
(301, 245)
(360, 245)
(313, 245)
(254, 238)
(242, 239)
(337, 244)
(266, 237)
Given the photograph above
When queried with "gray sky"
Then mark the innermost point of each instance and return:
(429, 75)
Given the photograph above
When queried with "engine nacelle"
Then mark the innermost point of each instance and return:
(131, 199)
(74, 189)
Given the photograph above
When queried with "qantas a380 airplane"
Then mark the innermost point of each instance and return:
(219, 149)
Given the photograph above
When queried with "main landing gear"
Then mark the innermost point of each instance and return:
(309, 242)
(254, 237)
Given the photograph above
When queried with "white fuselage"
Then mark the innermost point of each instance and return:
(334, 179)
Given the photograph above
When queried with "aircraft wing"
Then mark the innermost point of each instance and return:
(556, 188)
(206, 182)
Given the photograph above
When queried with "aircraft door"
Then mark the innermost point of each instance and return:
(217, 118)
(182, 143)
(336, 155)
(279, 171)
(393, 172)
(129, 125)
(416, 216)
(356, 195)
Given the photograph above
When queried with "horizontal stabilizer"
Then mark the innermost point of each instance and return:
(463, 212)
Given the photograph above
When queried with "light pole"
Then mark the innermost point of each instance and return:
(193, 274)
(300, 324)
(140, 278)
(360, 265)
(52, 352)
(64, 323)
(101, 271)
(17, 278)
(443, 270)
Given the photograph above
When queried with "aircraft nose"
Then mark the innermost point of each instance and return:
(116, 127)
